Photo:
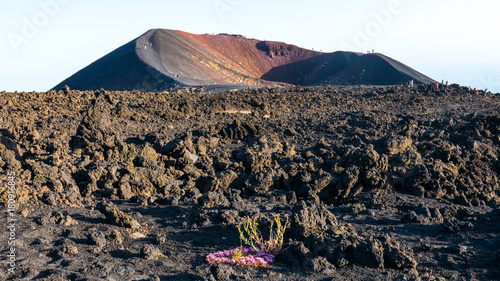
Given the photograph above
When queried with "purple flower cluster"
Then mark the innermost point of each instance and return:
(249, 257)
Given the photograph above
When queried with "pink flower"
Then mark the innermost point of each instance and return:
(249, 257)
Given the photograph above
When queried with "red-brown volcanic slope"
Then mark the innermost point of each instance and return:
(161, 59)
(224, 59)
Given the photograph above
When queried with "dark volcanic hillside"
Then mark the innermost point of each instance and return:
(161, 59)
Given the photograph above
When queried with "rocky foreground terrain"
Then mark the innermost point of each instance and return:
(379, 183)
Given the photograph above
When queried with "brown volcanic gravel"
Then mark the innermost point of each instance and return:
(380, 183)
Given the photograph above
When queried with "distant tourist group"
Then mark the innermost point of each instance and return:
(443, 84)
(475, 91)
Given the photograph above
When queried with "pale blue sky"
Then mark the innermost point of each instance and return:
(43, 42)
